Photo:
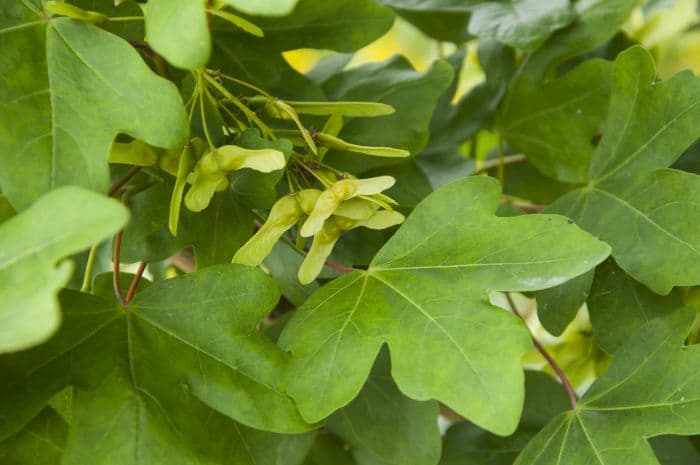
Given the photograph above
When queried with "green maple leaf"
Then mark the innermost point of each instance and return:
(596, 22)
(342, 25)
(522, 24)
(63, 222)
(179, 31)
(67, 88)
(425, 295)
(266, 8)
(621, 409)
(554, 123)
(394, 82)
(216, 232)
(328, 449)
(184, 358)
(40, 443)
(558, 306)
(618, 306)
(466, 444)
(648, 214)
(383, 426)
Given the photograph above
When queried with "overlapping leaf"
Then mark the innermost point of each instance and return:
(216, 232)
(555, 123)
(383, 426)
(557, 306)
(648, 214)
(179, 31)
(267, 8)
(342, 25)
(619, 306)
(413, 95)
(63, 222)
(67, 88)
(523, 24)
(183, 351)
(40, 443)
(466, 444)
(424, 294)
(651, 388)
(596, 22)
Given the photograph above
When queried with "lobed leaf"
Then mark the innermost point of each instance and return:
(61, 223)
(620, 410)
(424, 295)
(67, 89)
(222, 368)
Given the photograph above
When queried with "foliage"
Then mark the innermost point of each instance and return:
(314, 268)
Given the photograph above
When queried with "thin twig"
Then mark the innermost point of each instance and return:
(550, 360)
(338, 267)
(115, 268)
(508, 160)
(118, 238)
(135, 282)
(123, 180)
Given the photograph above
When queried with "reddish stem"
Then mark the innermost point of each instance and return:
(338, 267)
(135, 282)
(123, 180)
(115, 269)
(550, 360)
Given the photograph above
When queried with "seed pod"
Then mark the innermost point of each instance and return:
(321, 249)
(307, 199)
(209, 173)
(232, 157)
(279, 109)
(239, 22)
(133, 153)
(184, 167)
(336, 143)
(333, 126)
(284, 214)
(342, 190)
(356, 209)
(381, 220)
(350, 109)
(206, 179)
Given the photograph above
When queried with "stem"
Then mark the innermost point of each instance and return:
(490, 164)
(200, 86)
(239, 82)
(312, 172)
(125, 18)
(135, 282)
(123, 180)
(501, 162)
(338, 267)
(115, 268)
(244, 109)
(550, 360)
(87, 279)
